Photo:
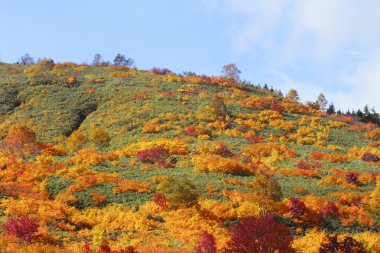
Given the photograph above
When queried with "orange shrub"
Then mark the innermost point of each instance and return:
(260, 150)
(333, 158)
(76, 141)
(98, 199)
(99, 137)
(219, 164)
(88, 156)
(232, 182)
(139, 96)
(336, 158)
(374, 134)
(316, 155)
(87, 181)
(122, 75)
(131, 185)
(347, 119)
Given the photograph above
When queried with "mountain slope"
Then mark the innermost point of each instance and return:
(129, 157)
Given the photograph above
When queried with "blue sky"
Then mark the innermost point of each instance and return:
(314, 46)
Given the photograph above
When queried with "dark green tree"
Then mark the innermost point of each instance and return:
(121, 60)
(331, 109)
(27, 60)
(219, 107)
(179, 193)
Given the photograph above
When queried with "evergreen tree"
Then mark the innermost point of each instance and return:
(366, 114)
(359, 114)
(331, 109)
(375, 118)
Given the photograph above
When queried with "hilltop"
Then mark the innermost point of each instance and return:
(116, 159)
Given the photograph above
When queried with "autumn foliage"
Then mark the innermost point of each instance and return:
(23, 228)
(109, 158)
(260, 235)
(157, 155)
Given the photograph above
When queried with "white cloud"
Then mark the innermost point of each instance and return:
(365, 82)
(339, 37)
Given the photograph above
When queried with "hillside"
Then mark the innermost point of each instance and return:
(115, 159)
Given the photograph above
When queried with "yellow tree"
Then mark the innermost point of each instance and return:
(99, 137)
(293, 95)
(374, 202)
(231, 72)
(76, 141)
(267, 187)
(179, 193)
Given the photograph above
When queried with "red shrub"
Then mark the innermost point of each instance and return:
(22, 227)
(257, 139)
(190, 130)
(263, 103)
(316, 155)
(369, 157)
(129, 249)
(191, 92)
(297, 208)
(276, 106)
(87, 247)
(308, 165)
(223, 150)
(160, 200)
(159, 71)
(206, 244)
(106, 249)
(156, 155)
(352, 178)
(263, 234)
(303, 165)
(330, 210)
(168, 93)
(348, 245)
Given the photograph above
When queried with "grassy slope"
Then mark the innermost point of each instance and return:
(52, 110)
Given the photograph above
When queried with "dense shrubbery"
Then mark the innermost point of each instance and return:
(158, 155)
(23, 228)
(260, 235)
(85, 153)
(348, 244)
(206, 244)
(369, 157)
(179, 193)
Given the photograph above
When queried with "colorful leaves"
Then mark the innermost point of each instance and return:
(179, 193)
(219, 164)
(23, 228)
(206, 243)
(157, 155)
(297, 208)
(333, 245)
(260, 235)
